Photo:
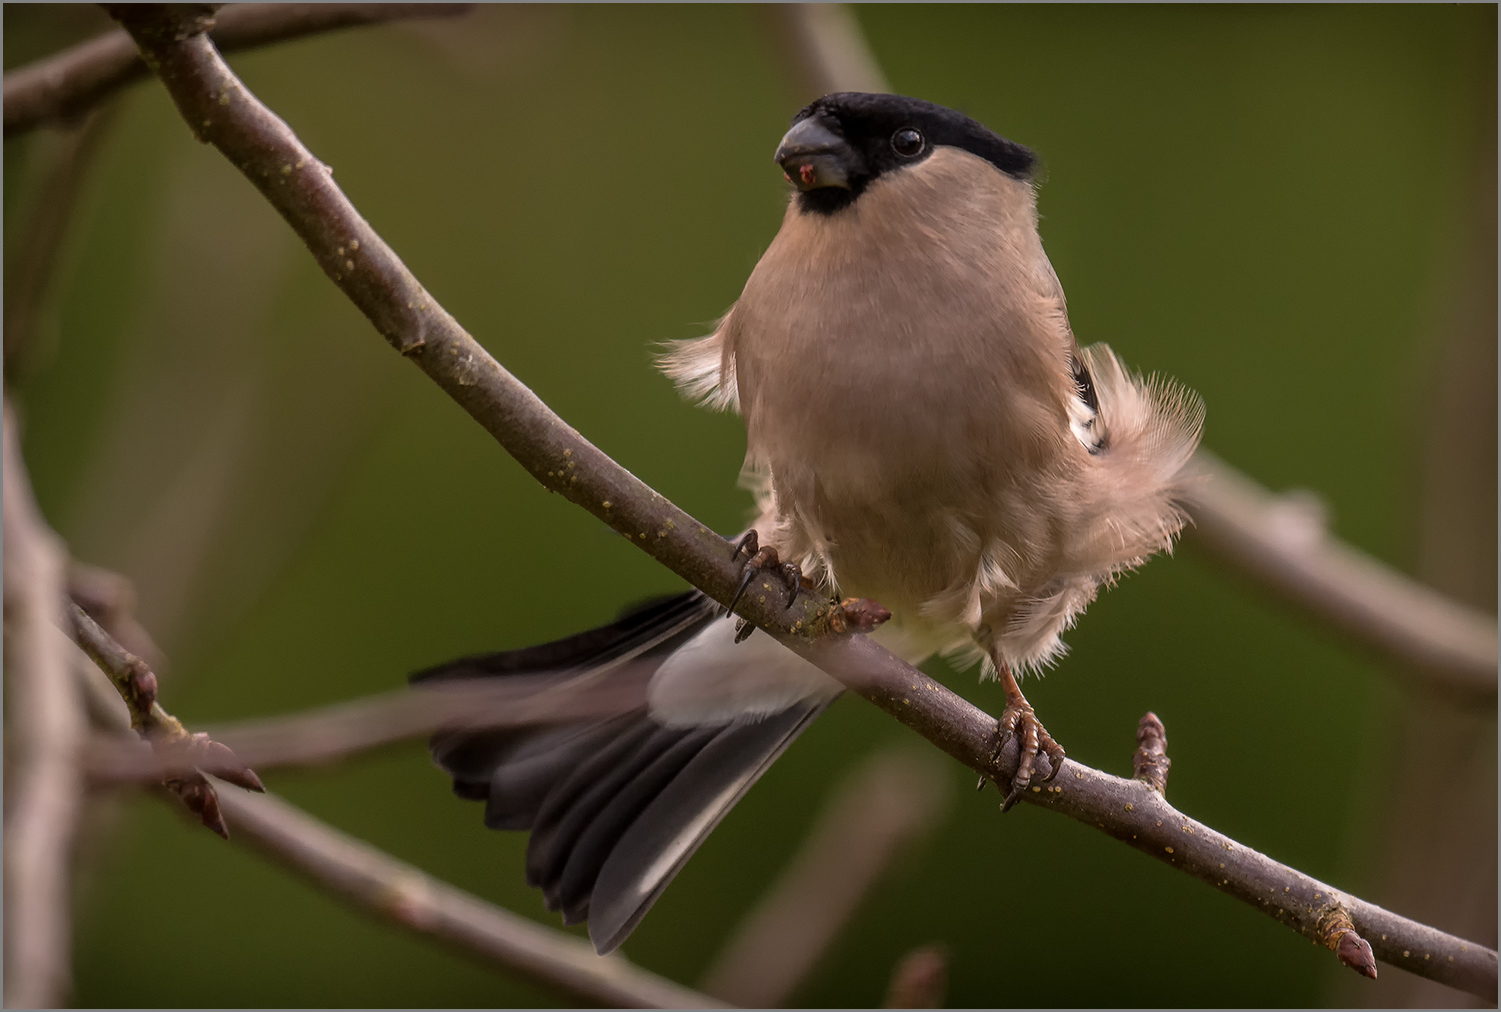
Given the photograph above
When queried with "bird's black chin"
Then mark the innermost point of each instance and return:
(827, 200)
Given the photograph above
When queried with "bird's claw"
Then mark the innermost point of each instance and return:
(761, 560)
(749, 543)
(1037, 752)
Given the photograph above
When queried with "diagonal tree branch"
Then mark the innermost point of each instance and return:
(67, 84)
(44, 725)
(1281, 541)
(221, 111)
(376, 882)
(401, 893)
(406, 895)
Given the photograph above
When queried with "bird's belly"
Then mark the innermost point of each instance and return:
(904, 440)
(899, 535)
(906, 530)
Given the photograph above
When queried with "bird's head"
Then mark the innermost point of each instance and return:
(841, 143)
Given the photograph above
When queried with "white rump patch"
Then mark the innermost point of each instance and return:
(711, 679)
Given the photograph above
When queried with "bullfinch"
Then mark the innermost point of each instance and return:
(922, 429)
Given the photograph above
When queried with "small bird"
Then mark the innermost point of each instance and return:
(922, 430)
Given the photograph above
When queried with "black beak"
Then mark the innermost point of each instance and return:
(813, 156)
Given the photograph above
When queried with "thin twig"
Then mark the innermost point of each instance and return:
(222, 111)
(327, 734)
(379, 883)
(1282, 542)
(890, 800)
(67, 84)
(44, 727)
(198, 753)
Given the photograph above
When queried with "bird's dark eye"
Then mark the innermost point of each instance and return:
(907, 142)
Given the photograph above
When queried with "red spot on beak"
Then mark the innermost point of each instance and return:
(807, 175)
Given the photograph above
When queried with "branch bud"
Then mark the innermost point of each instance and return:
(1150, 764)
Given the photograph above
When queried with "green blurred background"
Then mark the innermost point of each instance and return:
(1275, 205)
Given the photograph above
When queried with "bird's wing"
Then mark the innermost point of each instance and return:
(616, 807)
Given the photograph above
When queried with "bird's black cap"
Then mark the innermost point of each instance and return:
(877, 136)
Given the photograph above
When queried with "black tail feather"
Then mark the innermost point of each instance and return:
(588, 852)
(580, 792)
(615, 806)
(661, 623)
(517, 789)
(654, 849)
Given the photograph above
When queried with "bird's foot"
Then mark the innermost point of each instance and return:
(1038, 756)
(762, 560)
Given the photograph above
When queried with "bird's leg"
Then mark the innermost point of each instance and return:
(1019, 719)
(762, 560)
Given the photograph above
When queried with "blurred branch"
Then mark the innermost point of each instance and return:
(221, 111)
(67, 84)
(44, 729)
(330, 733)
(136, 683)
(110, 600)
(1282, 542)
(825, 49)
(29, 269)
(379, 883)
(888, 801)
(1435, 850)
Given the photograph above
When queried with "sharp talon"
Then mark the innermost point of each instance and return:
(749, 542)
(743, 630)
(980, 784)
(1056, 761)
(794, 578)
(745, 582)
(764, 558)
(1012, 799)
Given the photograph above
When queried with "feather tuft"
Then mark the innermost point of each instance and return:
(702, 371)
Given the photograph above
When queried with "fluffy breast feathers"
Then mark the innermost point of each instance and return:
(914, 407)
